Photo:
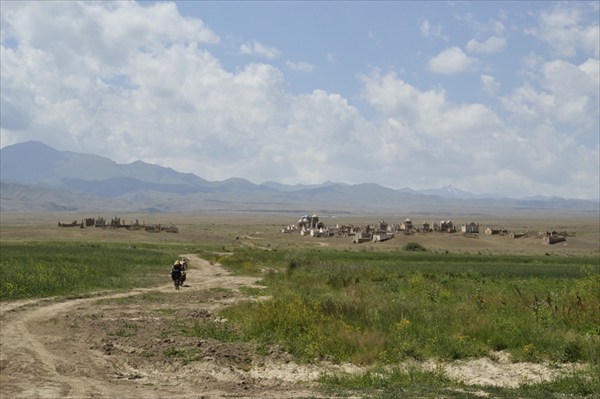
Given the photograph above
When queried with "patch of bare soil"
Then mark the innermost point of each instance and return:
(499, 371)
(131, 345)
(159, 343)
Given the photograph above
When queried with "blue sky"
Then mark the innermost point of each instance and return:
(498, 97)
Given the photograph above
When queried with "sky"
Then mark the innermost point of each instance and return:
(490, 97)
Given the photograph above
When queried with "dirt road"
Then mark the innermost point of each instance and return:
(156, 343)
(127, 345)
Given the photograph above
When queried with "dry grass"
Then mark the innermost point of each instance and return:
(261, 230)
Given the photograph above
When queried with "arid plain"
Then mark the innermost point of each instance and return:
(264, 229)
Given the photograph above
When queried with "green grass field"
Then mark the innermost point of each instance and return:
(383, 308)
(386, 307)
(41, 269)
(375, 307)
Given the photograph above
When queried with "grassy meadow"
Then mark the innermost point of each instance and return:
(41, 269)
(411, 298)
(367, 307)
(384, 308)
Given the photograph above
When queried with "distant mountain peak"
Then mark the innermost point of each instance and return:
(34, 162)
(139, 186)
(448, 191)
(451, 189)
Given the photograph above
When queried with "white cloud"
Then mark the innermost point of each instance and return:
(106, 81)
(451, 61)
(489, 84)
(255, 48)
(300, 66)
(469, 145)
(169, 93)
(331, 59)
(558, 116)
(376, 40)
(566, 29)
(174, 105)
(570, 80)
(113, 32)
(392, 97)
(427, 30)
(483, 28)
(560, 94)
(492, 45)
(328, 137)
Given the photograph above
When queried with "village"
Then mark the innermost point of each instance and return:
(311, 225)
(117, 223)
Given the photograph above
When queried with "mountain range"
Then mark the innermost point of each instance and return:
(38, 178)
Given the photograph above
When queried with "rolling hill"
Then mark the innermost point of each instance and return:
(36, 178)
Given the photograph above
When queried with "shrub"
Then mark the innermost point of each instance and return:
(572, 352)
(414, 247)
(294, 263)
